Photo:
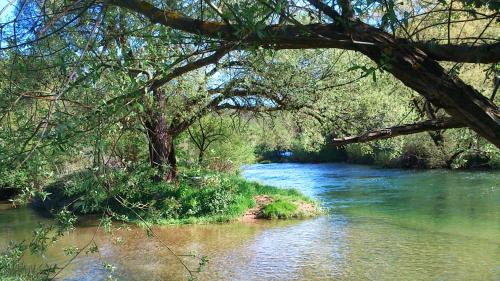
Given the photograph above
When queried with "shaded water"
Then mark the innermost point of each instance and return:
(384, 225)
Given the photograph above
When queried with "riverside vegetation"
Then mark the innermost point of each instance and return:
(198, 197)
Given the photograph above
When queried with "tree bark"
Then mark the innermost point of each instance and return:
(160, 139)
(161, 150)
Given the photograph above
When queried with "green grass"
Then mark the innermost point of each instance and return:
(280, 209)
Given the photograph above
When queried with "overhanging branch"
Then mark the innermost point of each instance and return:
(294, 37)
(408, 129)
(484, 53)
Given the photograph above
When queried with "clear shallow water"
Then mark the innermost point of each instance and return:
(383, 225)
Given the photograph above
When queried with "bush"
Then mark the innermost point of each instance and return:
(216, 201)
(21, 180)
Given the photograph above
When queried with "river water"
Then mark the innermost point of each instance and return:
(381, 225)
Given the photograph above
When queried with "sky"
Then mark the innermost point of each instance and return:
(6, 11)
(6, 8)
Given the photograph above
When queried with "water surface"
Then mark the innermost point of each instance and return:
(382, 225)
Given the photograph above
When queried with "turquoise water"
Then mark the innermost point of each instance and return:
(381, 225)
(404, 225)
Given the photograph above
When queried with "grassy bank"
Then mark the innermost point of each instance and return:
(197, 197)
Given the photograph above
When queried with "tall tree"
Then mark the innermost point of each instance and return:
(413, 61)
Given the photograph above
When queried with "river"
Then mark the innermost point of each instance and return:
(381, 224)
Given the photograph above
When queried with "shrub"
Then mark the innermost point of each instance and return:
(13, 269)
(216, 201)
(137, 194)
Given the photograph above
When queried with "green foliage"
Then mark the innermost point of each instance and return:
(137, 196)
(21, 180)
(13, 269)
(220, 143)
(14, 178)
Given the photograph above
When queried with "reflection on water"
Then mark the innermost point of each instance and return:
(383, 225)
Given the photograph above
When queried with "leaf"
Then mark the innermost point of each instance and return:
(354, 67)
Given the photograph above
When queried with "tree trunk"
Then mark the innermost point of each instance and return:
(161, 140)
(416, 70)
(161, 150)
(200, 157)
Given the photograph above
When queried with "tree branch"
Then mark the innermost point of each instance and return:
(215, 57)
(415, 67)
(310, 36)
(329, 11)
(347, 10)
(485, 53)
(408, 129)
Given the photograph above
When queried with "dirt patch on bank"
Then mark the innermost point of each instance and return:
(256, 212)
(261, 201)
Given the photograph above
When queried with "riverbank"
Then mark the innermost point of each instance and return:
(198, 197)
(411, 157)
